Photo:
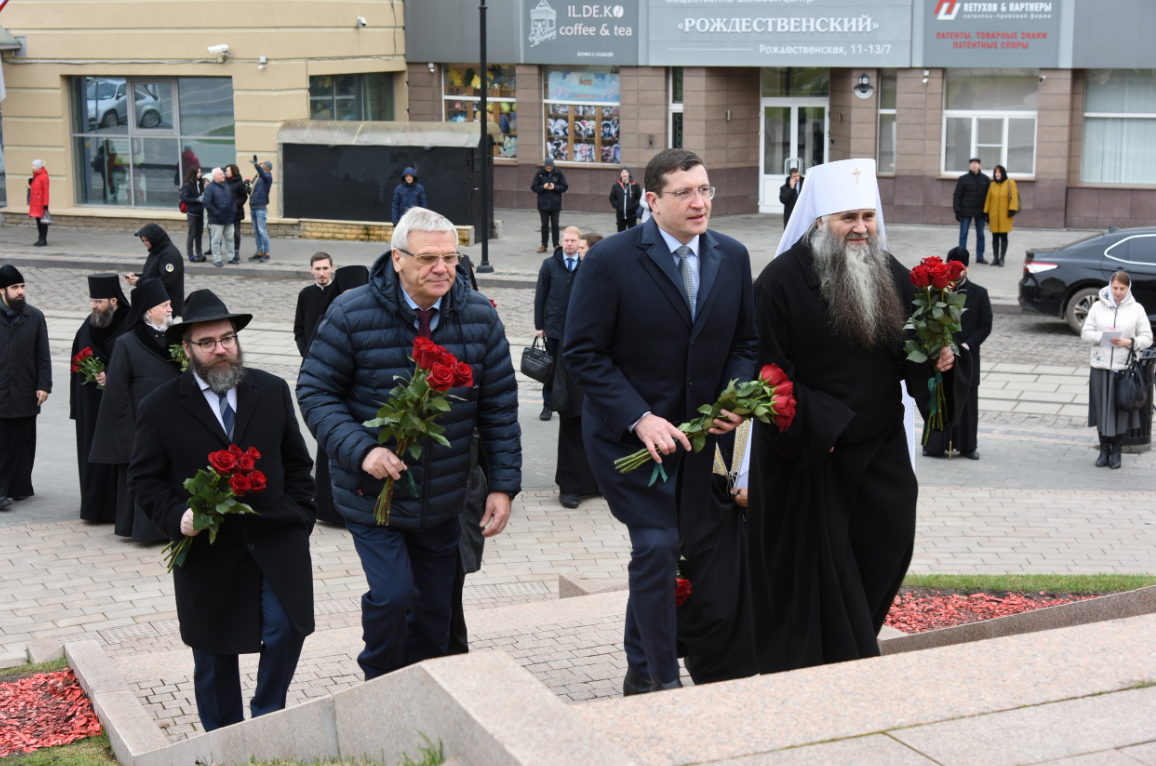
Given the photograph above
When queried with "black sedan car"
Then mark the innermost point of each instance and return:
(1065, 282)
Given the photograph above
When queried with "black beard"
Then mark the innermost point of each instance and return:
(16, 304)
(102, 319)
(856, 283)
(221, 377)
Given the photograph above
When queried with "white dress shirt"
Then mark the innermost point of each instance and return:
(215, 401)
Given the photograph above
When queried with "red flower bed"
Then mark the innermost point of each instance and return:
(44, 710)
(918, 609)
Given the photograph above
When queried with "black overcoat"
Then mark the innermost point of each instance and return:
(218, 588)
(632, 347)
(831, 532)
(311, 304)
(25, 362)
(164, 262)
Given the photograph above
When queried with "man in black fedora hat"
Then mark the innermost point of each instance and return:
(140, 364)
(25, 383)
(252, 589)
(110, 310)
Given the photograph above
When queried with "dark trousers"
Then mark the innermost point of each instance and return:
(552, 348)
(651, 627)
(17, 454)
(217, 680)
(627, 223)
(42, 231)
(999, 246)
(964, 225)
(196, 235)
(237, 237)
(550, 225)
(459, 636)
(405, 616)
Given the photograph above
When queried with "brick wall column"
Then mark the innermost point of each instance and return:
(1045, 205)
(425, 93)
(854, 121)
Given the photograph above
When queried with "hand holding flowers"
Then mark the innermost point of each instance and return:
(88, 365)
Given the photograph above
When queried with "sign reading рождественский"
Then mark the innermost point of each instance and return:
(962, 33)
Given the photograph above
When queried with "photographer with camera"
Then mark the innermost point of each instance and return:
(258, 206)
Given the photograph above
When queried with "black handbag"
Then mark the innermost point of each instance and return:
(537, 364)
(1131, 393)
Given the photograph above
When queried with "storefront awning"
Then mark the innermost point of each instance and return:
(342, 133)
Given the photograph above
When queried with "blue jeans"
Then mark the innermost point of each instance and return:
(217, 680)
(405, 616)
(963, 227)
(260, 233)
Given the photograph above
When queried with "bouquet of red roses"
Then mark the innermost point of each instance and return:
(682, 589)
(88, 365)
(414, 405)
(771, 397)
(213, 495)
(938, 308)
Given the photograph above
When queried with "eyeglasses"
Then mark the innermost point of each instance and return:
(430, 259)
(229, 342)
(685, 195)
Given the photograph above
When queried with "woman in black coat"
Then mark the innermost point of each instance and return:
(191, 191)
(624, 198)
(164, 262)
(140, 363)
(240, 189)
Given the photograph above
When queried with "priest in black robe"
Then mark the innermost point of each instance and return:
(110, 310)
(312, 302)
(140, 363)
(975, 326)
(833, 497)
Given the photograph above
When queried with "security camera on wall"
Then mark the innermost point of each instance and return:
(361, 22)
(219, 49)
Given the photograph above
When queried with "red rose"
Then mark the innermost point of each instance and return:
(920, 276)
(74, 368)
(681, 590)
(428, 356)
(784, 412)
(772, 375)
(85, 353)
(931, 260)
(256, 482)
(253, 453)
(222, 462)
(446, 358)
(785, 390)
(940, 276)
(463, 375)
(441, 377)
(420, 346)
(246, 463)
(240, 484)
(235, 451)
(956, 270)
(493, 303)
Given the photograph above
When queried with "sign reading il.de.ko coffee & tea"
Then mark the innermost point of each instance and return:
(778, 33)
(557, 32)
(966, 33)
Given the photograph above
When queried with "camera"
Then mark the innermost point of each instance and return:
(219, 49)
(361, 22)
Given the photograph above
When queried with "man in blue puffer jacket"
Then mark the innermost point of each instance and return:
(407, 194)
(365, 340)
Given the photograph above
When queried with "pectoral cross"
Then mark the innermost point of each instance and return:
(856, 174)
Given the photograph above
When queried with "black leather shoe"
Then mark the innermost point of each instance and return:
(971, 455)
(1105, 453)
(632, 685)
(656, 686)
(569, 500)
(546, 413)
(40, 244)
(18, 498)
(5, 503)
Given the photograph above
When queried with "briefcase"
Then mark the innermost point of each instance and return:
(537, 364)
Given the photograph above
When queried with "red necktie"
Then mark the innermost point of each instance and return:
(423, 318)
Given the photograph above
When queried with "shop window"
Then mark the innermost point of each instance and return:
(353, 97)
(795, 81)
(888, 96)
(135, 138)
(581, 111)
(1119, 127)
(675, 138)
(990, 114)
(461, 89)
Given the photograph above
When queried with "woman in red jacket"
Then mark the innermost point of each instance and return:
(38, 201)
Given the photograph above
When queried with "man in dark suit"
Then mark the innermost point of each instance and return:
(252, 589)
(789, 194)
(312, 301)
(660, 320)
(975, 324)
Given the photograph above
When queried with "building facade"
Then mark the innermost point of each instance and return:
(1061, 93)
(121, 99)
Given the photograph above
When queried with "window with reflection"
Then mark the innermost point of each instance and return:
(1119, 127)
(134, 138)
(990, 114)
(351, 97)
(888, 97)
(461, 88)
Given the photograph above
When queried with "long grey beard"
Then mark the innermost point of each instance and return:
(221, 378)
(856, 283)
(102, 319)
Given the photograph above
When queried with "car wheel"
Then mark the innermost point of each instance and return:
(109, 120)
(150, 120)
(1079, 305)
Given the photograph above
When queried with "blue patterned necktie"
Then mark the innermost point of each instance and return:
(570, 264)
(227, 414)
(687, 276)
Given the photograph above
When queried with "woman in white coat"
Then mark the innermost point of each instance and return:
(1116, 310)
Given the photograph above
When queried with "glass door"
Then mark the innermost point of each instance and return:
(794, 134)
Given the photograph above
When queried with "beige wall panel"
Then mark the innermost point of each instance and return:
(357, 66)
(277, 76)
(42, 102)
(256, 137)
(264, 106)
(25, 131)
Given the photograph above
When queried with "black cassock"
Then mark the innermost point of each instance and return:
(572, 472)
(97, 482)
(975, 326)
(831, 533)
(312, 303)
(140, 364)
